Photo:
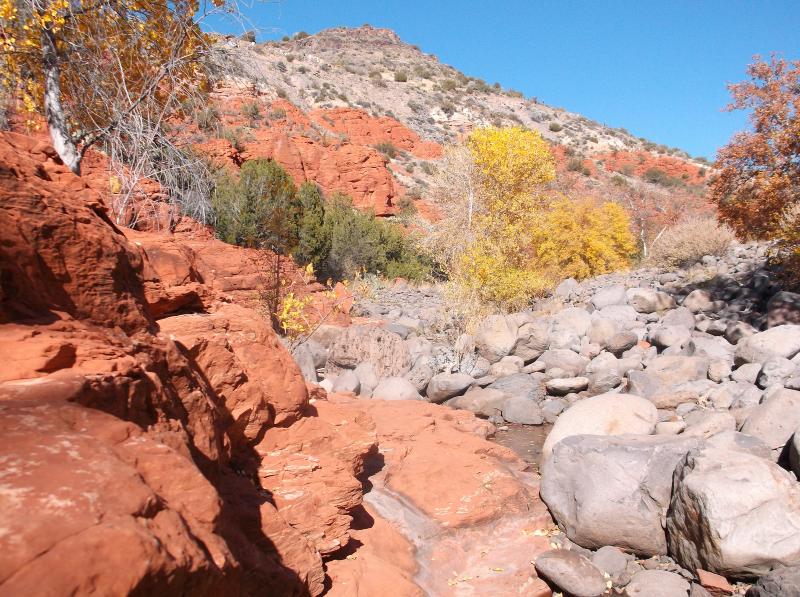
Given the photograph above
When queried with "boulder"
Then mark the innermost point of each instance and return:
(570, 362)
(794, 453)
(775, 420)
(396, 388)
(606, 414)
(485, 402)
(622, 314)
(566, 287)
(305, 361)
(782, 341)
(610, 295)
(446, 385)
(713, 347)
(517, 409)
(613, 490)
(508, 365)
(776, 370)
(533, 339)
(733, 513)
(603, 381)
(747, 373)
(734, 440)
(782, 308)
(571, 572)
(387, 352)
(680, 316)
(566, 385)
(781, 582)
(601, 330)
(572, 318)
(647, 300)
(520, 384)
(421, 374)
(657, 583)
(706, 423)
(699, 301)
(496, 338)
(670, 370)
(366, 377)
(670, 335)
(737, 330)
(611, 560)
(347, 381)
(622, 341)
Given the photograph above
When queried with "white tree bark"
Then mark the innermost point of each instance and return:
(53, 110)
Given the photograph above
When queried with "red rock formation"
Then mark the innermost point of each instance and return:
(363, 129)
(639, 162)
(157, 438)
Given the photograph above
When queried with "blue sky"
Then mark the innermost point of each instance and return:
(658, 69)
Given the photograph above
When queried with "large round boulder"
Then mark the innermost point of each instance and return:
(605, 414)
(396, 388)
(496, 337)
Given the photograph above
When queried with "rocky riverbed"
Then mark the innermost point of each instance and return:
(660, 408)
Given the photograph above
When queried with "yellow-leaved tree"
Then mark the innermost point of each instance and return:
(87, 66)
(524, 237)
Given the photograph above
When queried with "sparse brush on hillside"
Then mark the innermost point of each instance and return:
(688, 241)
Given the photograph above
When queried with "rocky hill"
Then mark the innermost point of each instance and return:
(362, 112)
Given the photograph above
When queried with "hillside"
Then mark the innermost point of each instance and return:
(362, 112)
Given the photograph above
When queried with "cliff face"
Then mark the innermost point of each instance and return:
(157, 438)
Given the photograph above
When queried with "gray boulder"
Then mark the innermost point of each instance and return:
(516, 409)
(747, 373)
(781, 582)
(783, 307)
(733, 513)
(706, 423)
(496, 337)
(613, 490)
(446, 385)
(699, 301)
(606, 414)
(421, 374)
(566, 385)
(782, 341)
(572, 318)
(485, 402)
(775, 420)
(570, 362)
(387, 352)
(601, 330)
(304, 358)
(621, 341)
(680, 316)
(737, 330)
(396, 388)
(610, 295)
(776, 370)
(647, 300)
(520, 384)
(657, 583)
(571, 572)
(533, 339)
(347, 381)
(366, 378)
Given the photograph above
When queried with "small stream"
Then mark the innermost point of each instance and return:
(525, 440)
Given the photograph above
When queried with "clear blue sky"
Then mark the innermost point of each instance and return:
(658, 69)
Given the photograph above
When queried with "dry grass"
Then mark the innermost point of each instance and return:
(687, 242)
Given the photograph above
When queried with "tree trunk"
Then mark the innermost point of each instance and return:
(53, 110)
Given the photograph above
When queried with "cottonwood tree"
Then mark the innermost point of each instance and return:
(758, 186)
(86, 65)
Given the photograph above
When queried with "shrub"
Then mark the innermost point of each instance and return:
(235, 137)
(659, 177)
(281, 92)
(361, 243)
(313, 244)
(301, 35)
(387, 149)
(251, 110)
(576, 165)
(448, 85)
(688, 241)
(406, 206)
(401, 76)
(207, 118)
(555, 127)
(260, 209)
(448, 108)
